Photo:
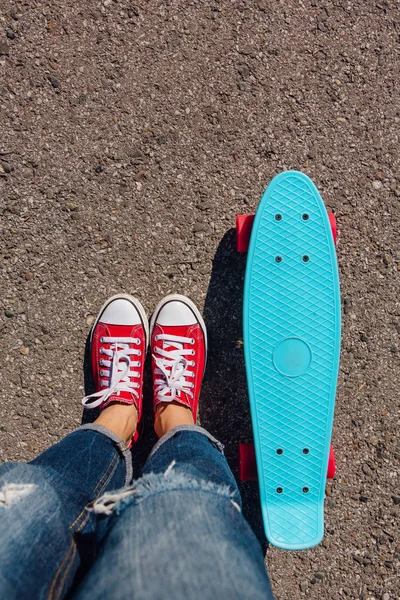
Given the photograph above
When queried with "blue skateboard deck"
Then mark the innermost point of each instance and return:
(291, 321)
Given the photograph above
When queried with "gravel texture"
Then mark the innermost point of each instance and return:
(131, 133)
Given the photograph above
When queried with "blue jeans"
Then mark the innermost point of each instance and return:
(69, 521)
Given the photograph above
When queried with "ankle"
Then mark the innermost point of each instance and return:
(169, 415)
(121, 419)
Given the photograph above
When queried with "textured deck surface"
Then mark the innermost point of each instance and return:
(292, 337)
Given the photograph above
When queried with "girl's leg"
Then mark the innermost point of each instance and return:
(45, 516)
(178, 532)
(46, 523)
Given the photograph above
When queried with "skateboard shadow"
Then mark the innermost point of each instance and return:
(224, 405)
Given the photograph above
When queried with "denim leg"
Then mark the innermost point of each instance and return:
(178, 532)
(44, 519)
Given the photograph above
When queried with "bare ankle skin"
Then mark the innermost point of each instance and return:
(121, 419)
(169, 415)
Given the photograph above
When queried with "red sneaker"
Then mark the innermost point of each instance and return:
(179, 351)
(118, 340)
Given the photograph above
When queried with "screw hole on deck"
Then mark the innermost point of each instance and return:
(279, 451)
(279, 490)
(306, 489)
(306, 258)
(305, 217)
(306, 451)
(278, 217)
(278, 259)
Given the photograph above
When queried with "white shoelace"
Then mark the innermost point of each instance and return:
(117, 371)
(172, 367)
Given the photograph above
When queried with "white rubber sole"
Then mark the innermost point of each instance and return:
(189, 303)
(138, 307)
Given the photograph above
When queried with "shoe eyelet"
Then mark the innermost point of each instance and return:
(137, 341)
(193, 352)
(192, 341)
(156, 338)
(102, 340)
(139, 353)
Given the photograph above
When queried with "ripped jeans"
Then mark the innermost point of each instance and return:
(70, 524)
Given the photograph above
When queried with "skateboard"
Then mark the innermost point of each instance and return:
(291, 327)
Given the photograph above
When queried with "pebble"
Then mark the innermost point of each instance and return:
(388, 564)
(90, 321)
(54, 81)
(366, 469)
(10, 33)
(28, 276)
(396, 499)
(377, 185)
(242, 85)
(303, 586)
(386, 596)
(51, 26)
(140, 175)
(24, 350)
(320, 575)
(4, 49)
(247, 50)
(99, 169)
(199, 227)
(6, 167)
(244, 71)
(9, 314)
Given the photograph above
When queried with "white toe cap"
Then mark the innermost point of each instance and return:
(120, 312)
(176, 313)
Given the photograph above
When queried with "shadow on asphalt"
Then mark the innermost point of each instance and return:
(224, 406)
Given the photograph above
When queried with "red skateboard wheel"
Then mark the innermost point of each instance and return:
(331, 464)
(244, 223)
(247, 463)
(332, 221)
